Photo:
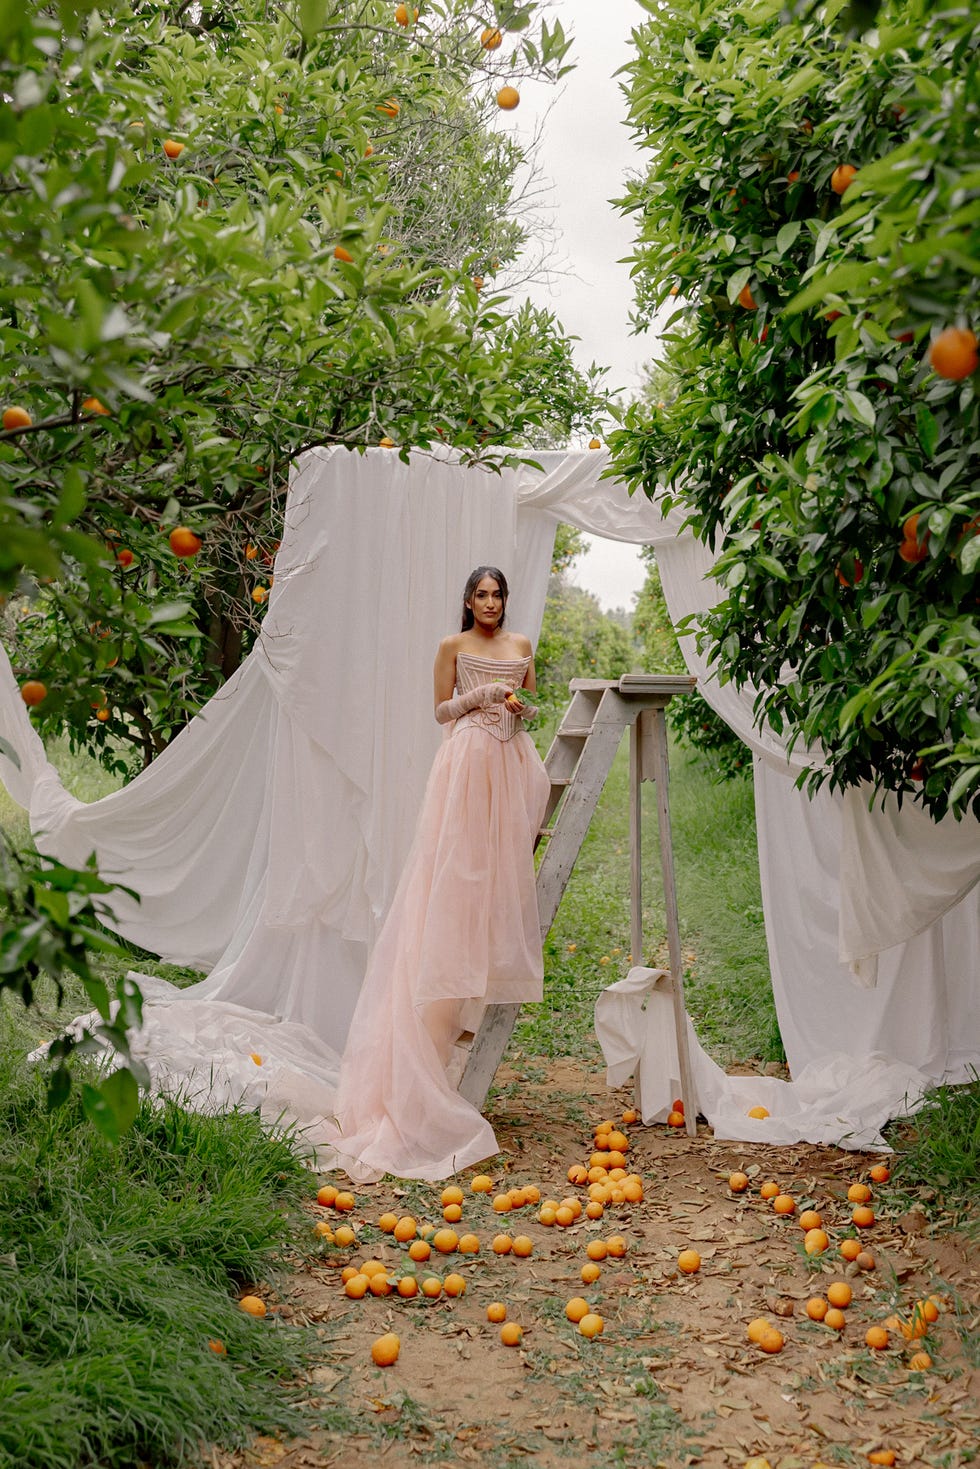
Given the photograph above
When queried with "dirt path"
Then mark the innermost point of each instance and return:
(673, 1380)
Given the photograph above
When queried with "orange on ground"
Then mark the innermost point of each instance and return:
(863, 1217)
(928, 1309)
(677, 1105)
(675, 1119)
(771, 1341)
(496, 1311)
(757, 1112)
(452, 1213)
(839, 1294)
(523, 1246)
(920, 1362)
(850, 1248)
(630, 1116)
(815, 1241)
(532, 1194)
(387, 1223)
(548, 1215)
(380, 1285)
(502, 1204)
(597, 1249)
(594, 1210)
(344, 1202)
(454, 1284)
(840, 179)
(755, 1329)
(405, 1229)
(953, 355)
(407, 1286)
(616, 1246)
(564, 1216)
(252, 1305)
(502, 1244)
(784, 1204)
(620, 1141)
(877, 1338)
(865, 1260)
(510, 1334)
(816, 1308)
(322, 1227)
(633, 1191)
(419, 1250)
(348, 1273)
(33, 691)
(445, 1241)
(858, 1193)
(577, 1174)
(16, 418)
(810, 1219)
(373, 1267)
(344, 1236)
(574, 1205)
(882, 1456)
(576, 1308)
(738, 1182)
(220, 1350)
(615, 1159)
(481, 1184)
(835, 1319)
(384, 1351)
(452, 1194)
(880, 1173)
(490, 38)
(689, 1261)
(590, 1273)
(508, 98)
(431, 1287)
(184, 542)
(591, 1325)
(469, 1244)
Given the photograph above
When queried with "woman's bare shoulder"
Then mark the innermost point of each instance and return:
(523, 644)
(451, 643)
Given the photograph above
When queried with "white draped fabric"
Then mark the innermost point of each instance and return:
(267, 840)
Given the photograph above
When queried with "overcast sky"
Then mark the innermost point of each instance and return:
(584, 157)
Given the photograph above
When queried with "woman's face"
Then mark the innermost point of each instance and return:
(487, 603)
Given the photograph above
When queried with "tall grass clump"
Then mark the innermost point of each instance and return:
(118, 1268)
(938, 1150)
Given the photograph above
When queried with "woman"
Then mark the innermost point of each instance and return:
(463, 925)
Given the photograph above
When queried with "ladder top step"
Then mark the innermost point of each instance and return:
(561, 780)
(646, 685)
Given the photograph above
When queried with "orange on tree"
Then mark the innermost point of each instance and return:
(184, 542)
(384, 1351)
(402, 15)
(16, 418)
(745, 298)
(953, 354)
(597, 444)
(491, 38)
(390, 107)
(508, 98)
(92, 405)
(33, 692)
(173, 149)
(842, 177)
(124, 557)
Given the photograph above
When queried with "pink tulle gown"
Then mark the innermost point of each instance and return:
(463, 927)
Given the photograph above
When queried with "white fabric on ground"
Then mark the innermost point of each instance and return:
(267, 840)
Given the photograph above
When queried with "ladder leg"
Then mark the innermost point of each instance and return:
(636, 847)
(661, 779)
(486, 1053)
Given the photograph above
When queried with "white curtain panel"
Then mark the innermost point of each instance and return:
(267, 840)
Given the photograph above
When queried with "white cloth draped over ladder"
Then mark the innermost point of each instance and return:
(268, 839)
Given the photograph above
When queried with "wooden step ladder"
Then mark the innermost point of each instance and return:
(578, 762)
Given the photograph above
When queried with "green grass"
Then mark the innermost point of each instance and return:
(728, 987)
(118, 1265)
(937, 1152)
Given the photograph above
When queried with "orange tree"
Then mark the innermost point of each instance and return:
(233, 232)
(811, 206)
(230, 232)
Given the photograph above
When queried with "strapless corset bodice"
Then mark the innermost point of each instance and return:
(472, 671)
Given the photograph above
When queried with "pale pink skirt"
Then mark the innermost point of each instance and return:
(463, 926)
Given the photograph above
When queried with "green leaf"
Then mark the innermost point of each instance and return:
(861, 407)
(312, 18)
(787, 235)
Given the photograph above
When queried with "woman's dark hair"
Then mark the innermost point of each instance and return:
(472, 582)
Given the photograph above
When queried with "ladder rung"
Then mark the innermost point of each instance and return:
(545, 831)
(565, 781)
(582, 732)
